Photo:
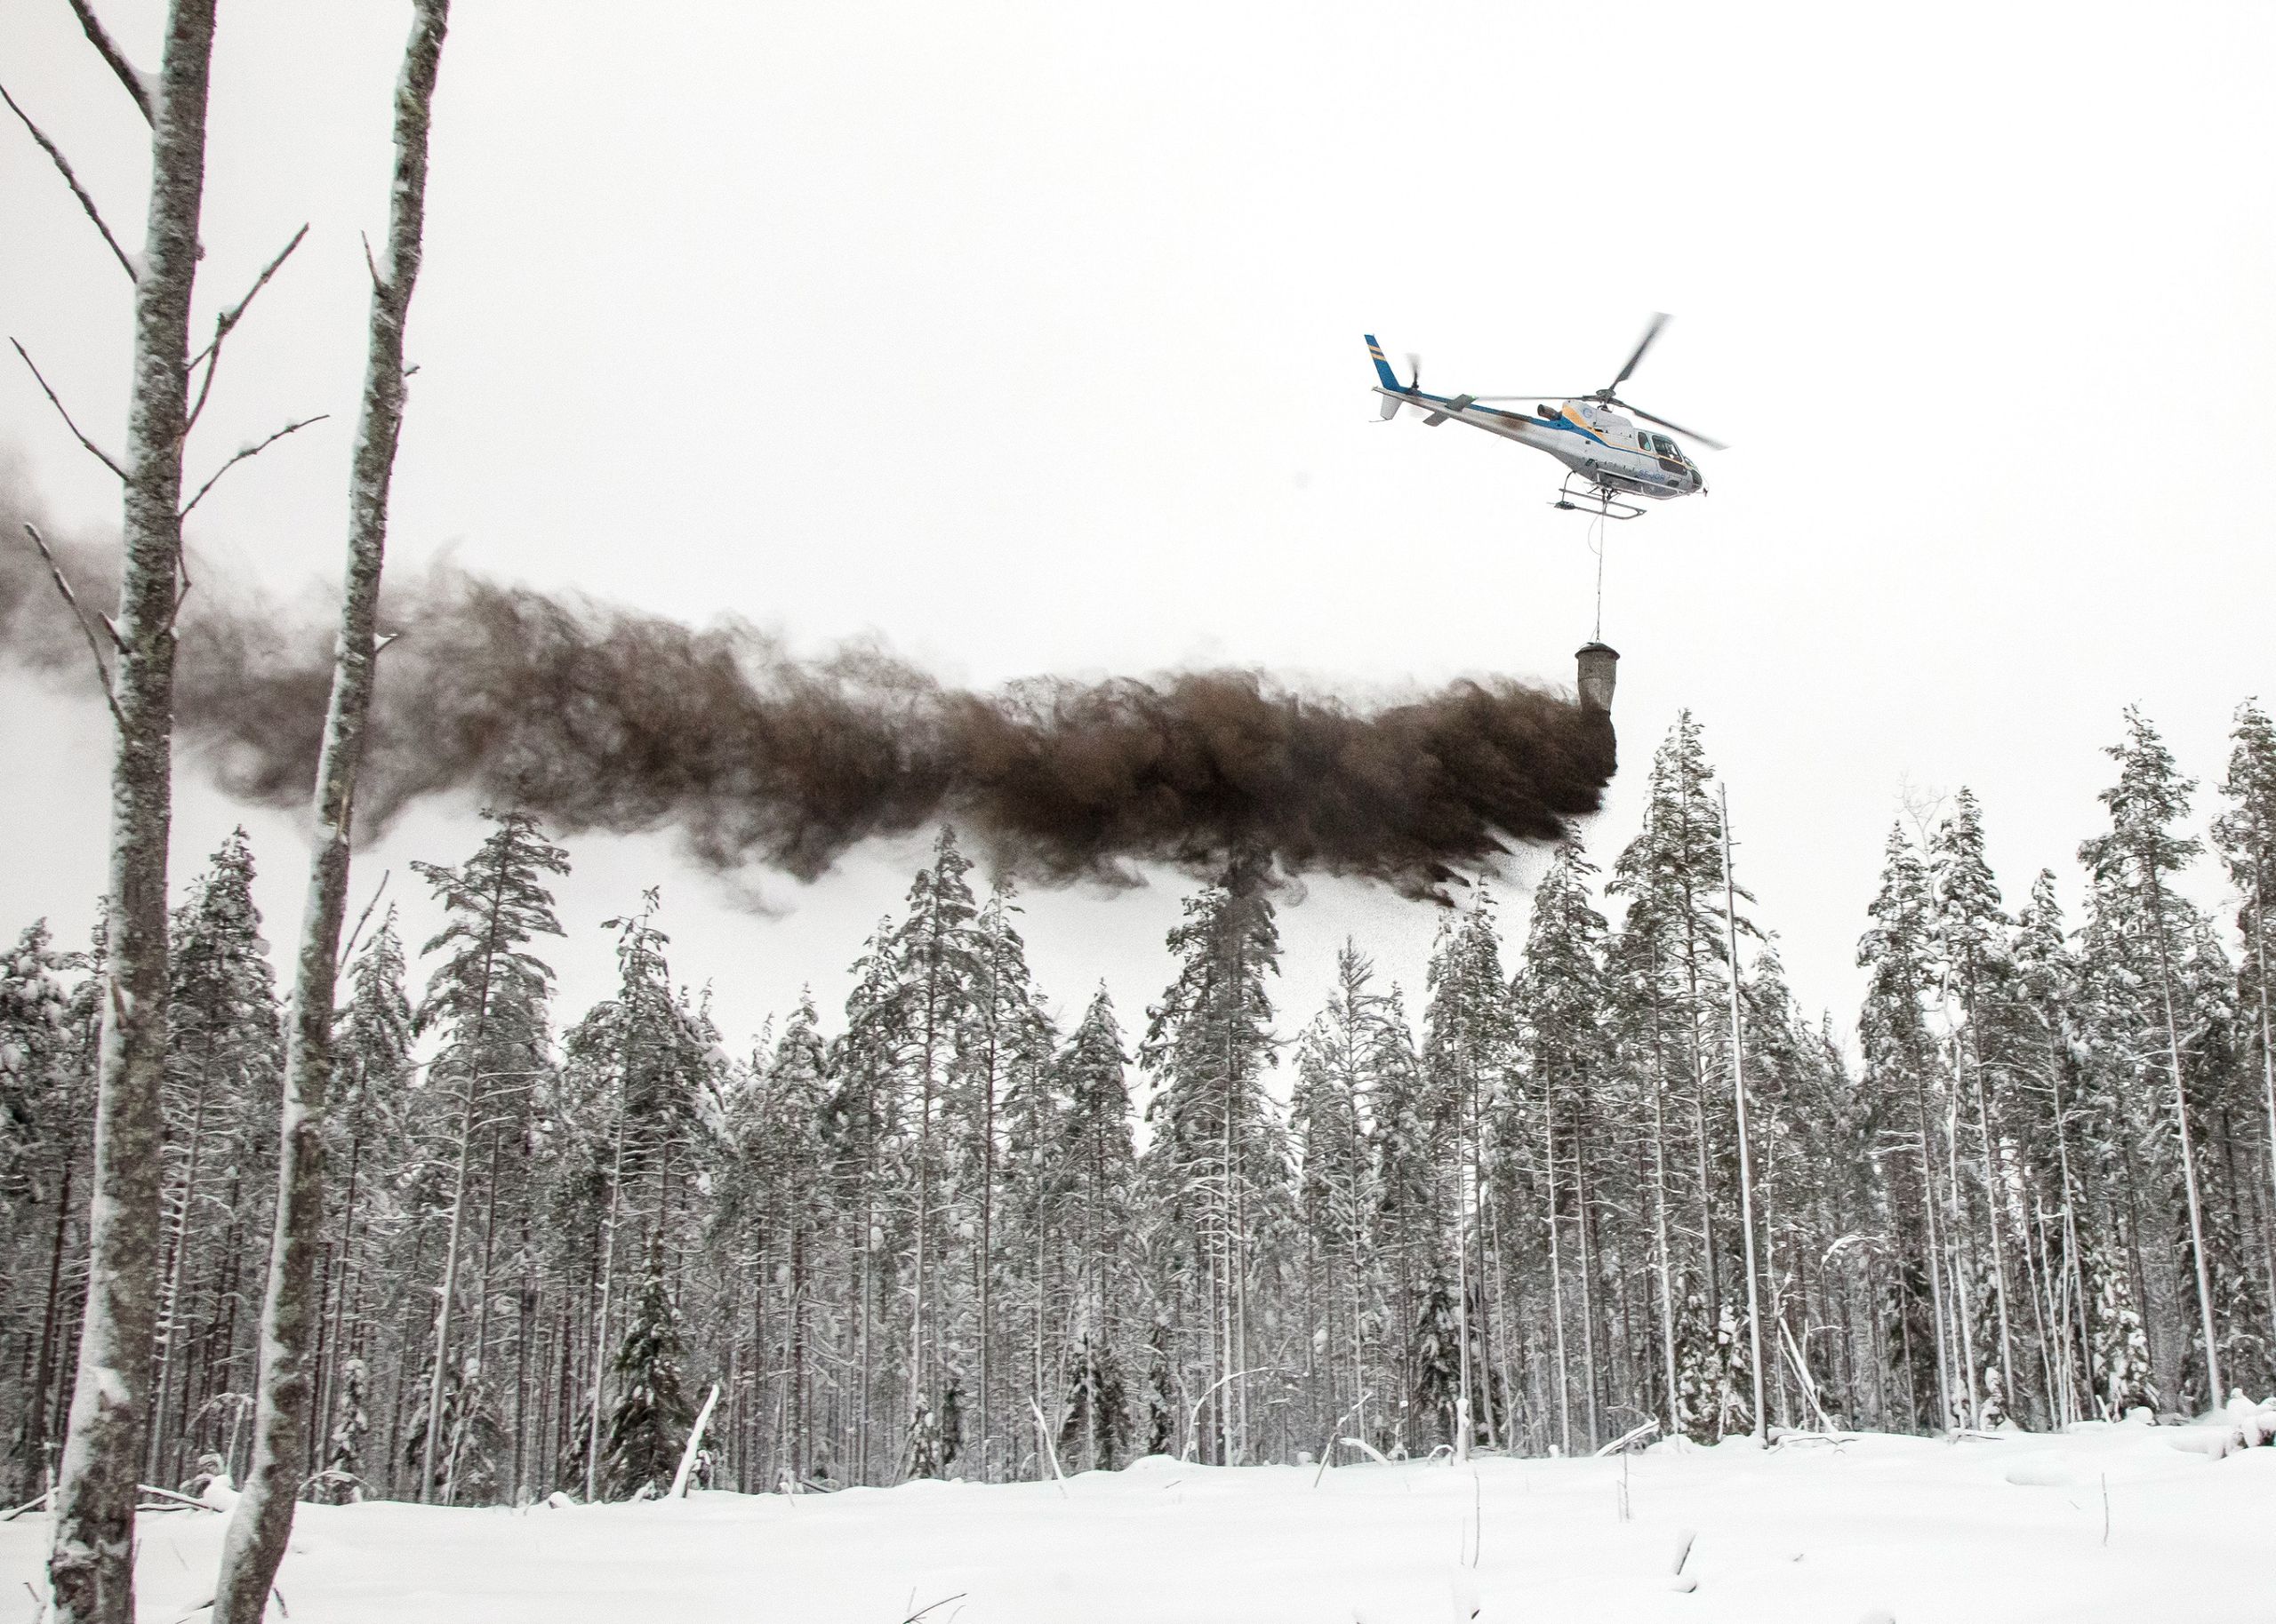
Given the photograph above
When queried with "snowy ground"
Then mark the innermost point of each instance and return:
(1876, 1528)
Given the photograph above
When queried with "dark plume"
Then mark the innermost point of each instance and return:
(596, 718)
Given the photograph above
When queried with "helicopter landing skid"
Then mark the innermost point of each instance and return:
(1597, 501)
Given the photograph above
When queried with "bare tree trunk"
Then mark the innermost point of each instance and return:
(91, 1562)
(2267, 1053)
(525, 1330)
(173, 1247)
(2214, 1392)
(1935, 1262)
(1556, 1275)
(36, 1438)
(600, 1314)
(263, 1519)
(1738, 1109)
(1994, 1202)
(1588, 1274)
(1660, 1235)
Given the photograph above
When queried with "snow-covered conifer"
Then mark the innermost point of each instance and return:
(648, 1422)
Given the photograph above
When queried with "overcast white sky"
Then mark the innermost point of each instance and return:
(1027, 338)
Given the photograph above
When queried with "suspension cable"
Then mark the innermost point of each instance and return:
(1596, 546)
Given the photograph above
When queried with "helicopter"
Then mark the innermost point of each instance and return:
(1608, 459)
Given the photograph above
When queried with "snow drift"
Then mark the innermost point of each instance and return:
(2112, 1525)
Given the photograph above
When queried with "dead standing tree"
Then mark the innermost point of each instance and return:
(91, 1561)
(262, 1522)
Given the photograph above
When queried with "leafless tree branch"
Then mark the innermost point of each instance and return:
(128, 75)
(63, 167)
(99, 454)
(63, 585)
(348, 948)
(211, 356)
(249, 450)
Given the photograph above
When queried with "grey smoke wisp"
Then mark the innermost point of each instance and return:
(602, 718)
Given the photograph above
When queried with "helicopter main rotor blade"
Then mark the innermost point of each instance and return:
(1659, 320)
(1688, 434)
(1539, 395)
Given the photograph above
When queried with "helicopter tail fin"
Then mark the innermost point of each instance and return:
(1383, 367)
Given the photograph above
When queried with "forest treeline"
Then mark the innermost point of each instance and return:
(943, 1234)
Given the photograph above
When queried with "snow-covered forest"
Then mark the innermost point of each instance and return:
(944, 1232)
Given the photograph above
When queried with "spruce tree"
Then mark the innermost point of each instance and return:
(1667, 967)
(1901, 1071)
(488, 999)
(1100, 1159)
(45, 1092)
(1560, 1006)
(936, 959)
(1970, 956)
(2246, 835)
(342, 1481)
(867, 1131)
(775, 1202)
(369, 1152)
(1469, 1057)
(2046, 1054)
(1337, 1076)
(648, 1424)
(2133, 868)
(1218, 1156)
(640, 1076)
(1005, 1056)
(224, 1078)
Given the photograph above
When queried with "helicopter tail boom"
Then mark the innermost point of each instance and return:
(1383, 367)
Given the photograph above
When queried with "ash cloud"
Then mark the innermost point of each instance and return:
(602, 718)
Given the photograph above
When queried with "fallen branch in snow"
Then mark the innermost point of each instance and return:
(1042, 1432)
(39, 1502)
(1373, 1453)
(928, 1607)
(1679, 1580)
(1337, 1426)
(1193, 1411)
(1651, 1426)
(1802, 1370)
(185, 1500)
(694, 1443)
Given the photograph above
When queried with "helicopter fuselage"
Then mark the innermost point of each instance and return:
(1595, 442)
